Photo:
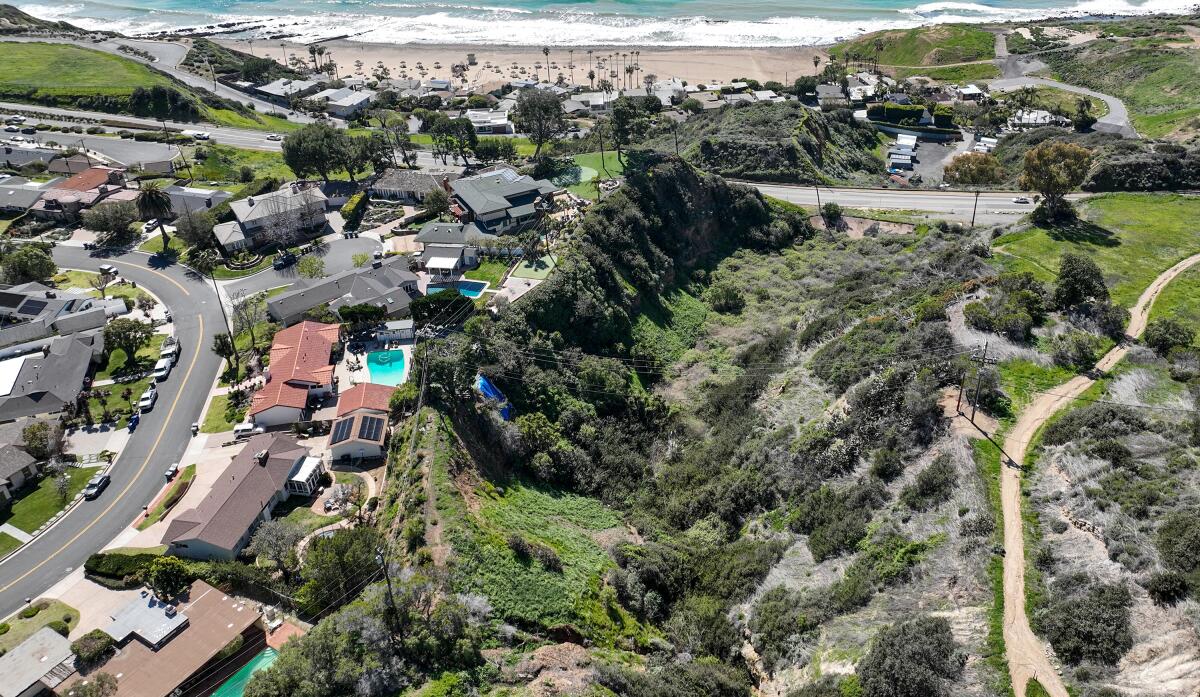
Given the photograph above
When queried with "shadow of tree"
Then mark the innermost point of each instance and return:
(1083, 232)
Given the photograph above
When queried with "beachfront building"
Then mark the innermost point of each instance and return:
(490, 121)
(386, 283)
(280, 217)
(501, 201)
(283, 90)
(344, 102)
(268, 469)
(411, 186)
(301, 369)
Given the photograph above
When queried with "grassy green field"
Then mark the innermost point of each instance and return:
(53, 70)
(593, 165)
(952, 73)
(297, 510)
(935, 45)
(535, 268)
(118, 362)
(21, 628)
(489, 270)
(1157, 83)
(182, 481)
(154, 245)
(115, 402)
(219, 418)
(223, 163)
(38, 504)
(8, 544)
(1052, 97)
(1181, 300)
(1132, 237)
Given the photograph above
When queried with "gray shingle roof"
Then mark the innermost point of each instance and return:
(31, 660)
(45, 382)
(412, 180)
(287, 199)
(500, 190)
(452, 233)
(380, 286)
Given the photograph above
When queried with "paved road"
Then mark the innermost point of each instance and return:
(994, 207)
(125, 151)
(1115, 121)
(160, 440)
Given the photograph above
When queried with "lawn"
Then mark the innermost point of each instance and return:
(1181, 300)
(952, 73)
(115, 403)
(1053, 98)
(490, 270)
(154, 245)
(524, 147)
(258, 122)
(535, 268)
(81, 279)
(1132, 237)
(21, 629)
(37, 504)
(224, 163)
(172, 496)
(6, 219)
(219, 419)
(118, 362)
(225, 273)
(590, 166)
(297, 510)
(8, 544)
(42, 71)
(932, 45)
(1022, 380)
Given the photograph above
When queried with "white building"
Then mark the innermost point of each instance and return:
(290, 212)
(344, 102)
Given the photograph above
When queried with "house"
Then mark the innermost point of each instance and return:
(596, 102)
(189, 658)
(17, 466)
(385, 283)
(268, 469)
(66, 199)
(1035, 118)
(831, 97)
(448, 248)
(186, 199)
(490, 121)
(360, 429)
(49, 378)
(344, 102)
(301, 367)
(18, 156)
(437, 84)
(38, 664)
(501, 201)
(970, 93)
(766, 96)
(18, 194)
(296, 209)
(284, 89)
(985, 144)
(33, 311)
(411, 185)
(74, 164)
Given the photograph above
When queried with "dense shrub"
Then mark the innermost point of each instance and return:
(1075, 350)
(702, 678)
(776, 625)
(1087, 621)
(91, 647)
(354, 209)
(59, 626)
(1107, 420)
(1178, 540)
(1165, 334)
(917, 658)
(933, 485)
(117, 566)
(1167, 587)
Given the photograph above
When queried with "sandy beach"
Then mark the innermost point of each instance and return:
(695, 65)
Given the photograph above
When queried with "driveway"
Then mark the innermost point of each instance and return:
(1115, 121)
(338, 255)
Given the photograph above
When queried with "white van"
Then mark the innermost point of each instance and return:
(162, 369)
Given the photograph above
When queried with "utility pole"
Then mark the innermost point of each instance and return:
(982, 360)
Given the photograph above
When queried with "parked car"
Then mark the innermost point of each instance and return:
(146, 401)
(169, 349)
(246, 430)
(149, 225)
(13, 129)
(29, 131)
(95, 485)
(108, 270)
(162, 369)
(172, 471)
(283, 260)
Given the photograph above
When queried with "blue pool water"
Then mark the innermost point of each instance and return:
(386, 367)
(470, 289)
(235, 686)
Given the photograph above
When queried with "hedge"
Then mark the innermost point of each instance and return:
(943, 116)
(60, 627)
(91, 647)
(117, 566)
(354, 209)
(896, 113)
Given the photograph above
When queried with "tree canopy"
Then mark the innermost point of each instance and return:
(1055, 169)
(540, 117)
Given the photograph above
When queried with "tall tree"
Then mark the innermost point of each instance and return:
(154, 203)
(1079, 280)
(29, 262)
(627, 123)
(1055, 169)
(127, 334)
(111, 222)
(974, 170)
(540, 117)
(318, 148)
(276, 540)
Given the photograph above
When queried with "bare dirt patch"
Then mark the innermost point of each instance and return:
(857, 228)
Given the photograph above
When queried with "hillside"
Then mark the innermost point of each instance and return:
(14, 21)
(933, 45)
(785, 142)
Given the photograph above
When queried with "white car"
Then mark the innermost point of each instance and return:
(245, 430)
(13, 129)
(274, 136)
(170, 349)
(1021, 199)
(108, 270)
(147, 400)
(162, 369)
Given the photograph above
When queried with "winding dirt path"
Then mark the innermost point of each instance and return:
(1027, 657)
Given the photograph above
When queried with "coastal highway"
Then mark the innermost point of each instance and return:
(160, 440)
(994, 206)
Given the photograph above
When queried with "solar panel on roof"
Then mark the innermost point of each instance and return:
(32, 307)
(341, 431)
(10, 299)
(370, 428)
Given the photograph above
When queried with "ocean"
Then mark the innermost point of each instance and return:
(728, 23)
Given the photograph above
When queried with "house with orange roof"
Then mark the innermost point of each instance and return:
(301, 369)
(360, 429)
(66, 199)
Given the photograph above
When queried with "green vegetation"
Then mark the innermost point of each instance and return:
(969, 72)
(154, 245)
(8, 544)
(588, 168)
(933, 45)
(220, 418)
(298, 511)
(538, 268)
(111, 400)
(1156, 82)
(1181, 300)
(1130, 247)
(21, 628)
(118, 362)
(174, 492)
(490, 270)
(38, 503)
(225, 163)
(1053, 99)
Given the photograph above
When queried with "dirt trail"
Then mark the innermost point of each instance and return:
(1026, 654)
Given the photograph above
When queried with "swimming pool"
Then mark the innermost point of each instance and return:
(469, 289)
(235, 686)
(386, 367)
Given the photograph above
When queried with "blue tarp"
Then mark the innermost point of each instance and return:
(490, 391)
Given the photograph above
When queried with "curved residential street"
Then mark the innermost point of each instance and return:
(160, 440)
(1026, 653)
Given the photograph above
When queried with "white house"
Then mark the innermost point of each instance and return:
(344, 102)
(490, 121)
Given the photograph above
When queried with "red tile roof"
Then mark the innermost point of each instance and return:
(365, 396)
(86, 180)
(299, 358)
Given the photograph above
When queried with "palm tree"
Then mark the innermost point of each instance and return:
(546, 54)
(816, 61)
(628, 75)
(592, 78)
(878, 45)
(571, 58)
(154, 203)
(312, 53)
